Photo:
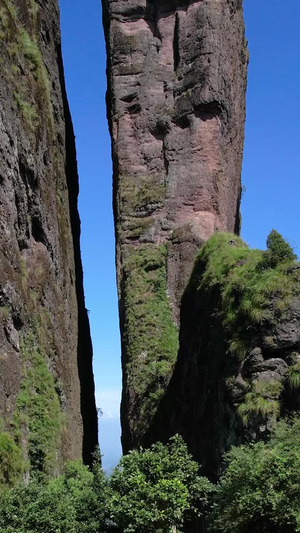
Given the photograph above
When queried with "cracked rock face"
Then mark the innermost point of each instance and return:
(176, 110)
(43, 324)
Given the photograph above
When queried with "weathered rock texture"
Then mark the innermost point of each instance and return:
(238, 367)
(46, 381)
(176, 110)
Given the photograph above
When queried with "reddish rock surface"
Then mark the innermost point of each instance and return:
(43, 318)
(176, 109)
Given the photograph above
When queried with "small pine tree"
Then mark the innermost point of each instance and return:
(278, 249)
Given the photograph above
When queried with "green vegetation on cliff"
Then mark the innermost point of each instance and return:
(31, 440)
(294, 376)
(278, 250)
(263, 399)
(11, 461)
(31, 93)
(141, 192)
(239, 346)
(251, 285)
(38, 420)
(151, 338)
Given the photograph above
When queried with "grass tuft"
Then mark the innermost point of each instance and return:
(294, 376)
(262, 400)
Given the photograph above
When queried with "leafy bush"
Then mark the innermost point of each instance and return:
(156, 489)
(72, 503)
(260, 490)
(11, 464)
(149, 491)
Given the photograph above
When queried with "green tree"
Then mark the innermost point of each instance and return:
(278, 249)
(156, 489)
(260, 490)
(72, 503)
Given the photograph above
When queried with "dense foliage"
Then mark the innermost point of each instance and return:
(150, 490)
(71, 503)
(260, 489)
(156, 489)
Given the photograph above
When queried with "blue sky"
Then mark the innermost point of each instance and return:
(270, 170)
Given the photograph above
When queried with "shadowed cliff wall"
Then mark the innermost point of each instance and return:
(46, 382)
(176, 110)
(238, 367)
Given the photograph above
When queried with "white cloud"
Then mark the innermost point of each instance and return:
(109, 402)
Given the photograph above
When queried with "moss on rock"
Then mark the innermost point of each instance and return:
(150, 338)
(38, 420)
(32, 93)
(141, 193)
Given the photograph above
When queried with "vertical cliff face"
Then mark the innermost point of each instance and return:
(176, 110)
(238, 365)
(46, 381)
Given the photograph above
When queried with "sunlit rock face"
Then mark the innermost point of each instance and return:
(46, 381)
(176, 110)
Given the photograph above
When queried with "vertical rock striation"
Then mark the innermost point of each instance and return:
(176, 110)
(46, 381)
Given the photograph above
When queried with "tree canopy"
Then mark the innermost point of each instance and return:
(260, 489)
(156, 489)
(278, 249)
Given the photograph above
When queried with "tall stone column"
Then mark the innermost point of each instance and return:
(176, 109)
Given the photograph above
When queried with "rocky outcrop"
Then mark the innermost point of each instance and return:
(238, 368)
(46, 381)
(176, 110)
